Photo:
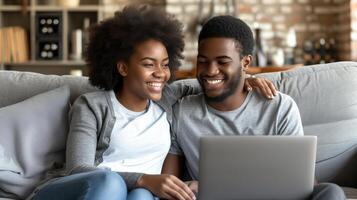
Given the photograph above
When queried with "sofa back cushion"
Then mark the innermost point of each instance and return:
(326, 95)
(329, 90)
(17, 86)
(32, 141)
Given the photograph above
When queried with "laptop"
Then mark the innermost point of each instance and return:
(256, 167)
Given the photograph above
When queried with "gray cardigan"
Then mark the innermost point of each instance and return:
(91, 123)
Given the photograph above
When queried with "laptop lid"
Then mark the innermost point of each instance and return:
(256, 167)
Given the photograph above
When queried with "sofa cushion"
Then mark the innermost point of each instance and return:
(326, 95)
(336, 153)
(32, 140)
(17, 86)
(334, 137)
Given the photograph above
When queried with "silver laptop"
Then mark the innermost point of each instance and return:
(256, 167)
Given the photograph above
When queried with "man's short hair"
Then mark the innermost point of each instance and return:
(229, 27)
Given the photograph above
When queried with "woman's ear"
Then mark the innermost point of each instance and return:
(246, 61)
(122, 68)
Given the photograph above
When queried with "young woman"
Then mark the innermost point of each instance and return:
(119, 137)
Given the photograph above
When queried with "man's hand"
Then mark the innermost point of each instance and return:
(167, 187)
(265, 86)
(193, 185)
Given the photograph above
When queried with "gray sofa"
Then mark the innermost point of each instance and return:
(325, 94)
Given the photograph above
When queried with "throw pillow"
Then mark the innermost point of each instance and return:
(32, 140)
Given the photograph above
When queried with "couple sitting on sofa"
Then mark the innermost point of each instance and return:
(126, 128)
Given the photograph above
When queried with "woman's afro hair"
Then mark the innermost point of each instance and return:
(113, 40)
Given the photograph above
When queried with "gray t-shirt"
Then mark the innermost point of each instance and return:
(256, 116)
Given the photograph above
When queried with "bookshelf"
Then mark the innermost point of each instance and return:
(25, 15)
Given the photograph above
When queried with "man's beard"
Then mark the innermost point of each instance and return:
(232, 88)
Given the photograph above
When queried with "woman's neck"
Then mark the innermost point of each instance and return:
(131, 101)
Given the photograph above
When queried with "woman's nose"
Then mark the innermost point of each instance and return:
(159, 72)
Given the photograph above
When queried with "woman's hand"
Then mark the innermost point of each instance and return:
(265, 86)
(167, 187)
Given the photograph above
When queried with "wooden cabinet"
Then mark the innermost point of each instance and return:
(267, 69)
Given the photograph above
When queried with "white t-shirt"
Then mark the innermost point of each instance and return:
(139, 141)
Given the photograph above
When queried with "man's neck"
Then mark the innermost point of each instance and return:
(232, 102)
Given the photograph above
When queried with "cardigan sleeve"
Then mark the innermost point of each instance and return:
(82, 140)
(82, 137)
(178, 89)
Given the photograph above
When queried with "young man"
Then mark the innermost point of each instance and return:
(224, 53)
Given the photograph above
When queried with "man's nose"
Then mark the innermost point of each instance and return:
(212, 69)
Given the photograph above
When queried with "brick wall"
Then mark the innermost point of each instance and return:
(191, 13)
(343, 30)
(311, 20)
(353, 18)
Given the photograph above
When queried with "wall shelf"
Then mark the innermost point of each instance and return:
(72, 18)
(10, 8)
(67, 9)
(67, 63)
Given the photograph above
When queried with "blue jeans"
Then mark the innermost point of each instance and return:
(328, 191)
(94, 185)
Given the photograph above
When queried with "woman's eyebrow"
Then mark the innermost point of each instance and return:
(153, 59)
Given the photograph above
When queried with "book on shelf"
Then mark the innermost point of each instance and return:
(14, 45)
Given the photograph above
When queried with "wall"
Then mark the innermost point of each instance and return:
(343, 30)
(311, 19)
(353, 36)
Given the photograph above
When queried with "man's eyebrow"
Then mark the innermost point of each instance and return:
(223, 57)
(218, 57)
